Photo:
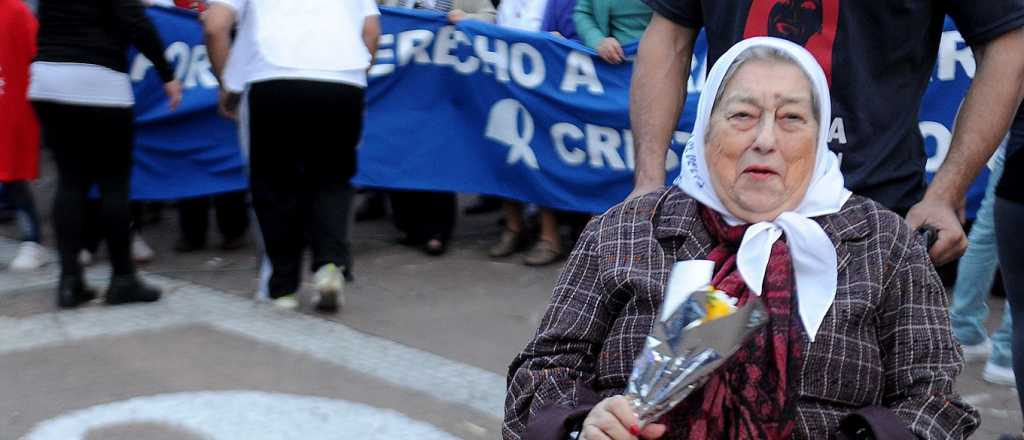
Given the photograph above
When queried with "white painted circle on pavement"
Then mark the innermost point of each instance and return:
(251, 415)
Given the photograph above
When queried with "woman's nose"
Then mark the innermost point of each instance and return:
(765, 140)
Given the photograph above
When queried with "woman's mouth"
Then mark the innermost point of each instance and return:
(760, 172)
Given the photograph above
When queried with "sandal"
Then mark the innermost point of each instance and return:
(509, 243)
(543, 253)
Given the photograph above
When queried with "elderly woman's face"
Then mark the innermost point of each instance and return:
(761, 142)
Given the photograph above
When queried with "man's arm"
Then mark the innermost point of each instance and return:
(218, 21)
(371, 34)
(987, 112)
(662, 66)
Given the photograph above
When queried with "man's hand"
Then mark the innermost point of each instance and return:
(456, 15)
(613, 419)
(173, 91)
(227, 104)
(952, 242)
(611, 51)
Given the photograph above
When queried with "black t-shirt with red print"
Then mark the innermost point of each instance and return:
(878, 56)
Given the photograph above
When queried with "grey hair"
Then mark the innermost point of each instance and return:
(772, 55)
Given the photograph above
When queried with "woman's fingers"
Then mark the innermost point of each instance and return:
(623, 412)
(653, 431)
(611, 419)
(618, 50)
(591, 432)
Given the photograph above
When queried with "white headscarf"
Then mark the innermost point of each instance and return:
(814, 256)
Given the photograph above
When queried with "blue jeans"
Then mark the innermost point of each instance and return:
(974, 280)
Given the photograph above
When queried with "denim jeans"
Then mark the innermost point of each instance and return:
(974, 280)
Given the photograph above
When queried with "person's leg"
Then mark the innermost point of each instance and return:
(232, 218)
(274, 178)
(405, 217)
(73, 181)
(25, 206)
(549, 248)
(111, 144)
(1009, 216)
(333, 121)
(114, 142)
(513, 237)
(439, 222)
(975, 274)
(61, 127)
(1002, 345)
(193, 219)
(31, 255)
(335, 128)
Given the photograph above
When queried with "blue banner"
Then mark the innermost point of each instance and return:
(191, 151)
(468, 108)
(535, 117)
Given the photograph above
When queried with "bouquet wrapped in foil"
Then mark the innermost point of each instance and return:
(698, 329)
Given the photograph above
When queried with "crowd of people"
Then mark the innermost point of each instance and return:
(830, 231)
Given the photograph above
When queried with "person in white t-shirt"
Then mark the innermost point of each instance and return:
(302, 65)
(527, 15)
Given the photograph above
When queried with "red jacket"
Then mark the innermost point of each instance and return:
(19, 130)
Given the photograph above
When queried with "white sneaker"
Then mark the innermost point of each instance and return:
(85, 258)
(330, 288)
(977, 352)
(997, 375)
(31, 256)
(287, 302)
(141, 252)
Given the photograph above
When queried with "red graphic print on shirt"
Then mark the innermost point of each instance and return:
(809, 23)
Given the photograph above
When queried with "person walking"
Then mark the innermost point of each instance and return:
(302, 65)
(83, 97)
(19, 130)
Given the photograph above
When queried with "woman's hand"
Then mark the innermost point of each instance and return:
(456, 15)
(611, 51)
(173, 91)
(613, 419)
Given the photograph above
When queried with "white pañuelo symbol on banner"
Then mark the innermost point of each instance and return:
(250, 415)
(504, 126)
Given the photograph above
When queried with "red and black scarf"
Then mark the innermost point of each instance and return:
(754, 394)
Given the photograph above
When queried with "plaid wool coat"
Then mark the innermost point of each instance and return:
(886, 341)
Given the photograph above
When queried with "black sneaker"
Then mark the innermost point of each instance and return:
(128, 289)
(72, 291)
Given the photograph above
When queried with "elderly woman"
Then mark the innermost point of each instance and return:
(858, 337)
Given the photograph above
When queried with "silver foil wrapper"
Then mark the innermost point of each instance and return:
(684, 349)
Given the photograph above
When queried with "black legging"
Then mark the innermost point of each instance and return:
(92, 146)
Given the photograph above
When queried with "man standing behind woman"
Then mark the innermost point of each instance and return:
(303, 65)
(83, 97)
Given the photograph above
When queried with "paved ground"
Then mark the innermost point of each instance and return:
(419, 352)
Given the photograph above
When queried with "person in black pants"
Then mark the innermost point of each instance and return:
(82, 95)
(305, 118)
(1009, 216)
